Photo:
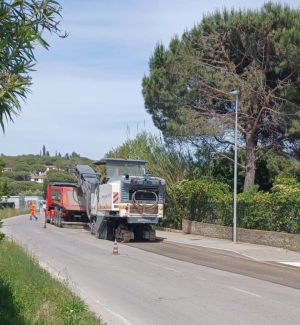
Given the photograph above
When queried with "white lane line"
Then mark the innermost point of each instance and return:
(158, 266)
(115, 314)
(170, 269)
(297, 264)
(199, 278)
(246, 292)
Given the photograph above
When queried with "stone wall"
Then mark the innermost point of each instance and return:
(251, 236)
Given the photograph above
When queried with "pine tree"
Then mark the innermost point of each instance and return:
(6, 190)
(254, 51)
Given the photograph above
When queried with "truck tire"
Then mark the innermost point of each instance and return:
(59, 219)
(55, 219)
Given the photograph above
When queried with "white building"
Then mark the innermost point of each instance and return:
(37, 178)
(7, 169)
(50, 167)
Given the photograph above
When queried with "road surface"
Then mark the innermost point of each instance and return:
(160, 283)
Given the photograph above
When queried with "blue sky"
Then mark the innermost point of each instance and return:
(87, 87)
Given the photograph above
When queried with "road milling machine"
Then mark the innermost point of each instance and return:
(125, 204)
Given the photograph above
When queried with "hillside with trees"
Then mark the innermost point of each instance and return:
(17, 181)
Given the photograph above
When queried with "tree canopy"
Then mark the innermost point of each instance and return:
(22, 24)
(254, 51)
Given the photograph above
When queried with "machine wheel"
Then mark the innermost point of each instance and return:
(126, 236)
(122, 235)
(152, 235)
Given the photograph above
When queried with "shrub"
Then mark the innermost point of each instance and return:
(206, 200)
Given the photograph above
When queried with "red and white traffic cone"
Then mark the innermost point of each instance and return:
(115, 247)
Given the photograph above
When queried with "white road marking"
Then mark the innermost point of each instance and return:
(202, 279)
(157, 266)
(170, 269)
(115, 314)
(297, 264)
(246, 292)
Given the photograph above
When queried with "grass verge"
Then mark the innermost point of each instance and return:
(8, 213)
(30, 296)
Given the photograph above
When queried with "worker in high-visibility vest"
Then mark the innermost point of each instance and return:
(32, 211)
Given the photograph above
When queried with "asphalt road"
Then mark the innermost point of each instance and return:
(159, 283)
(226, 261)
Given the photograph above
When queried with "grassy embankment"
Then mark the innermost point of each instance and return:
(8, 213)
(30, 296)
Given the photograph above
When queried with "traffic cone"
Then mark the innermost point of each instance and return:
(115, 247)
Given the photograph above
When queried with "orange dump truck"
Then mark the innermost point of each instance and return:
(66, 205)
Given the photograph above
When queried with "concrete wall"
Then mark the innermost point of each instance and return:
(258, 237)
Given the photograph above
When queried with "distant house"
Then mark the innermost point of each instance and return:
(7, 169)
(37, 179)
(50, 167)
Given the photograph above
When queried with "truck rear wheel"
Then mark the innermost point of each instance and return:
(57, 218)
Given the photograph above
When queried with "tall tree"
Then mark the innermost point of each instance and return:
(0, 183)
(6, 190)
(256, 52)
(21, 26)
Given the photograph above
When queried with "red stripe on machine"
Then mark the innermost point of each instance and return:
(115, 197)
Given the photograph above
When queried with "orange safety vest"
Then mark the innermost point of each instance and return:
(32, 209)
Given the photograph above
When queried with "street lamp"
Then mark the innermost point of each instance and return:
(236, 94)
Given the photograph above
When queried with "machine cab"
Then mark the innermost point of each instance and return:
(122, 168)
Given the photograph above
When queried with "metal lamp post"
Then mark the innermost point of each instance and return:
(236, 94)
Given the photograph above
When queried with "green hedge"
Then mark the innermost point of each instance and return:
(208, 201)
